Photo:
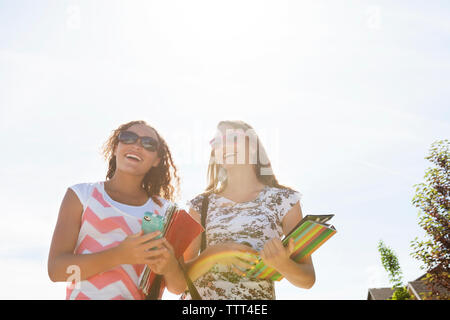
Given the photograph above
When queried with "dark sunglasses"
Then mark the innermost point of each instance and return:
(129, 137)
(226, 138)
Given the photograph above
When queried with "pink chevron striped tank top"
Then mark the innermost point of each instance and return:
(104, 226)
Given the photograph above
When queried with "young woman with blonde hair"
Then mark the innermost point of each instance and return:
(248, 211)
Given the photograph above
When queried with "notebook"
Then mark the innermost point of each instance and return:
(309, 234)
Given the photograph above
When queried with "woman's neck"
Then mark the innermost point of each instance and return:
(242, 179)
(125, 184)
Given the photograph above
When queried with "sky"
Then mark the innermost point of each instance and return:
(347, 98)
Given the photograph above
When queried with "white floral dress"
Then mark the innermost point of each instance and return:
(252, 223)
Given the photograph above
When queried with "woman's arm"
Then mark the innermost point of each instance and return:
(65, 236)
(231, 254)
(64, 240)
(275, 255)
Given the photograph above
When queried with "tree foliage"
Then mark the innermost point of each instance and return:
(432, 197)
(390, 263)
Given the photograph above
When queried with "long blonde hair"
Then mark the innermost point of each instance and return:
(215, 184)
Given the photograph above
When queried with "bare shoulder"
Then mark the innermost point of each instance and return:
(67, 226)
(71, 204)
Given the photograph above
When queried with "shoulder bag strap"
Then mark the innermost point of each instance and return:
(204, 210)
(192, 289)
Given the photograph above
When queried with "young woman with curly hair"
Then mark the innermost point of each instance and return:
(97, 243)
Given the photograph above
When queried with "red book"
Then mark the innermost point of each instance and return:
(180, 230)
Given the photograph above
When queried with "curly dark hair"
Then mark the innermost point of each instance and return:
(158, 180)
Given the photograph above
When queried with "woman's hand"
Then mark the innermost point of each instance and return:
(239, 257)
(165, 262)
(231, 254)
(275, 255)
(139, 248)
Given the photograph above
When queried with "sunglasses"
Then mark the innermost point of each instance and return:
(227, 138)
(129, 137)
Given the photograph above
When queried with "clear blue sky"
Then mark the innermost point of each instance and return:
(347, 98)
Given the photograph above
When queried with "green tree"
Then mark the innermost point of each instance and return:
(390, 263)
(433, 200)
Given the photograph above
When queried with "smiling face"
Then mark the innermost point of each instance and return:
(234, 146)
(133, 158)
